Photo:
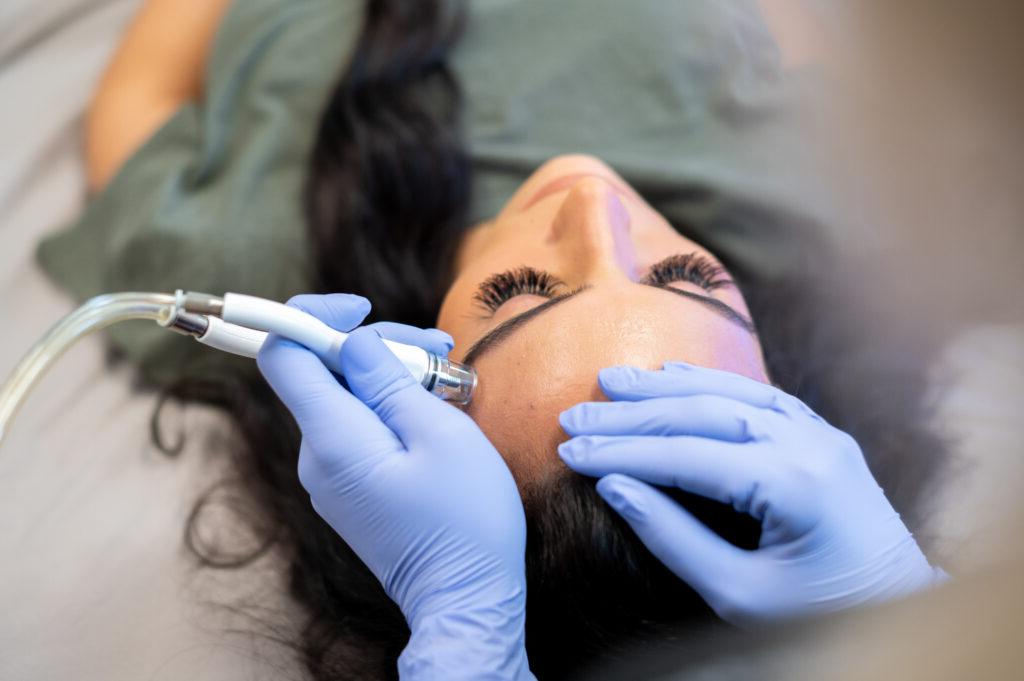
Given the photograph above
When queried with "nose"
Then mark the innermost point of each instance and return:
(592, 233)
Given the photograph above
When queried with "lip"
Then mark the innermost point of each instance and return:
(565, 181)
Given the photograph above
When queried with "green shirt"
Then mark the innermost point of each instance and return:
(685, 99)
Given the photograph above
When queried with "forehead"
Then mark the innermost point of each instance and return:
(609, 324)
(552, 362)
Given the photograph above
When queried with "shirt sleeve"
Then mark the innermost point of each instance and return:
(212, 201)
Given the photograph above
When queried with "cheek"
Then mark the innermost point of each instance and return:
(515, 433)
(520, 418)
(519, 429)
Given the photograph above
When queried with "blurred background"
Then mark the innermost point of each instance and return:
(928, 144)
(921, 123)
(924, 127)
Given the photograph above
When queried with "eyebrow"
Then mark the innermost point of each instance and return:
(509, 326)
(502, 331)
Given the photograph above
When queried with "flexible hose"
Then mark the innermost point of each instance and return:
(95, 314)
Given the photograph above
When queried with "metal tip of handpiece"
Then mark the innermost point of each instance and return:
(454, 382)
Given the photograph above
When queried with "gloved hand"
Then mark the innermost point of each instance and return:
(417, 491)
(829, 537)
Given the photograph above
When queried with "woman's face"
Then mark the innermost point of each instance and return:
(577, 272)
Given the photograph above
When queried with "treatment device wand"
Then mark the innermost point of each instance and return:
(234, 323)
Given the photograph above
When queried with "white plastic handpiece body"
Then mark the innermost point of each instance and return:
(238, 340)
(307, 330)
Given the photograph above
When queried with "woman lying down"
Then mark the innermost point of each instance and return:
(659, 443)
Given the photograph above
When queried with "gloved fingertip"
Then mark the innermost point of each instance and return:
(352, 299)
(616, 376)
(939, 576)
(569, 420)
(300, 300)
(342, 311)
(677, 365)
(613, 482)
(620, 492)
(572, 451)
(443, 337)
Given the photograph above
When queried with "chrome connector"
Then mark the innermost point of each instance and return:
(188, 324)
(202, 303)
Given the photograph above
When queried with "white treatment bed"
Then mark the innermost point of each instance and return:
(95, 582)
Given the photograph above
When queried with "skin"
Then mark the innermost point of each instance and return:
(594, 231)
(159, 66)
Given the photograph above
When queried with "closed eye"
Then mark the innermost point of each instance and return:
(499, 288)
(694, 268)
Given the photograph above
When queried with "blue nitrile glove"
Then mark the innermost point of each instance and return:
(417, 491)
(829, 537)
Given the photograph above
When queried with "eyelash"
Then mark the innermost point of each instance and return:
(694, 268)
(691, 267)
(499, 288)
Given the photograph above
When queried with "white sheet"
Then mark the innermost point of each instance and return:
(94, 579)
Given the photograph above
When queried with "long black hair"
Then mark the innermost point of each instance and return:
(386, 202)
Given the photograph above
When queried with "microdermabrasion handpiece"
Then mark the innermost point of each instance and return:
(239, 324)
(234, 323)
